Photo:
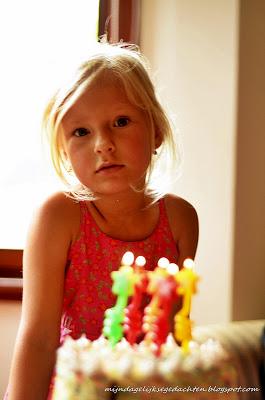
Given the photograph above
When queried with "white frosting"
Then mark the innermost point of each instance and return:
(135, 362)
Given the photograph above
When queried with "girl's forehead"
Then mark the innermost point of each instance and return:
(114, 87)
(100, 95)
(111, 94)
(103, 79)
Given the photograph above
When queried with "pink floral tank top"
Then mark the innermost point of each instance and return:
(91, 259)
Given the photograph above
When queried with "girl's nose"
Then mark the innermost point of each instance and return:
(104, 144)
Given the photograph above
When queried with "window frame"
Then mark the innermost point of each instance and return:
(11, 274)
(119, 20)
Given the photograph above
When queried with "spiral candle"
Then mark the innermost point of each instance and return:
(124, 280)
(187, 280)
(133, 314)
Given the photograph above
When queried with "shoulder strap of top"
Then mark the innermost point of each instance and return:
(164, 223)
(162, 211)
(86, 217)
(162, 206)
(84, 214)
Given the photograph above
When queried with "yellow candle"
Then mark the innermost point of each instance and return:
(187, 280)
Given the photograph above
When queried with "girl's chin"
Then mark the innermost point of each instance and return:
(113, 186)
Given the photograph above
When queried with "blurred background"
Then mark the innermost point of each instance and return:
(207, 58)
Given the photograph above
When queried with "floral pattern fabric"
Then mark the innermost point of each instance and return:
(91, 259)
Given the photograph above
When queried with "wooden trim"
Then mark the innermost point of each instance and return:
(120, 19)
(11, 283)
(11, 288)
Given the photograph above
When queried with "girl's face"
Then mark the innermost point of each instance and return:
(107, 140)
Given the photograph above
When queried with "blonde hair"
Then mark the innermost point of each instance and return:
(130, 68)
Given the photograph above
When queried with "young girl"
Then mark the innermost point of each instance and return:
(105, 128)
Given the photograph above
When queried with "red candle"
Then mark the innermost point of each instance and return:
(133, 314)
(163, 288)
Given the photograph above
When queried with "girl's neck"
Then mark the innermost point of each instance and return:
(125, 217)
(121, 205)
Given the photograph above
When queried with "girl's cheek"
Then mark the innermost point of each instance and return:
(75, 145)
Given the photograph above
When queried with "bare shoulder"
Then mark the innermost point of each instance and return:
(54, 226)
(59, 204)
(183, 220)
(59, 211)
(180, 210)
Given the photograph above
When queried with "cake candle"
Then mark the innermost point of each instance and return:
(162, 286)
(133, 313)
(187, 280)
(123, 286)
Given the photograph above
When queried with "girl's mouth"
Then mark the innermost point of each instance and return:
(109, 168)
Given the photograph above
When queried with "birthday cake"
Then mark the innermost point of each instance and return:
(137, 356)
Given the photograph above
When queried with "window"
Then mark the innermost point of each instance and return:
(39, 39)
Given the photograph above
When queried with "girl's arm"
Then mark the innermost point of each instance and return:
(44, 263)
(184, 224)
(189, 233)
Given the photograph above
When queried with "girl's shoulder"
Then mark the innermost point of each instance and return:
(184, 225)
(60, 201)
(61, 211)
(181, 214)
(179, 207)
(60, 204)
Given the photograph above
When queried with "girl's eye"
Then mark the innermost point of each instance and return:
(121, 121)
(80, 132)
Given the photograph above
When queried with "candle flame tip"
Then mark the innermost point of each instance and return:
(127, 258)
(140, 261)
(172, 269)
(188, 263)
(163, 262)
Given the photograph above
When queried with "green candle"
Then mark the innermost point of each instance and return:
(123, 286)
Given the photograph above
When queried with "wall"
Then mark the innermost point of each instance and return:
(249, 251)
(193, 47)
(9, 320)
